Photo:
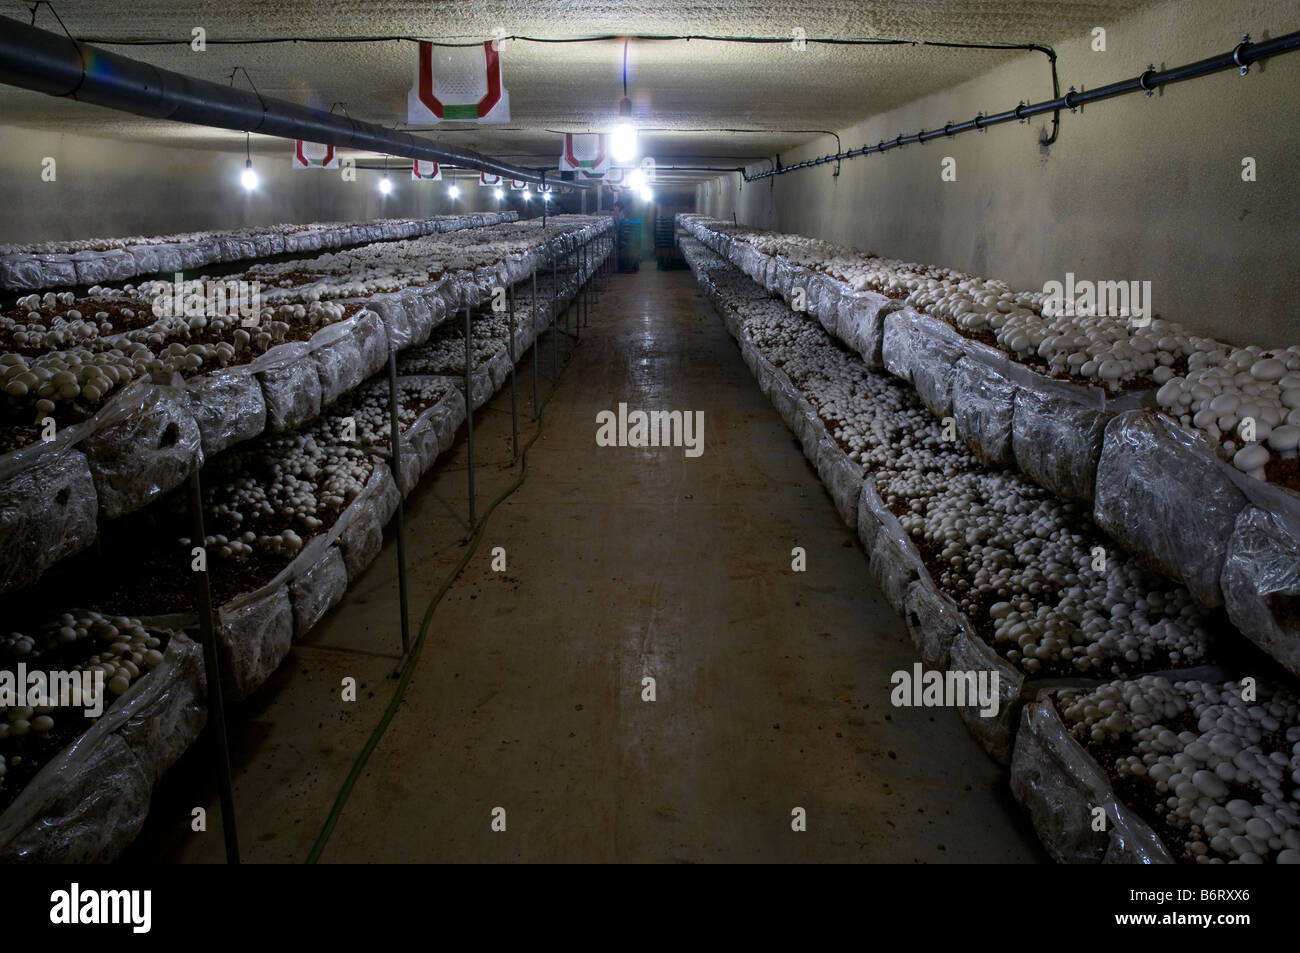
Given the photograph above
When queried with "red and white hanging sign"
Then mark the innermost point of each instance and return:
(426, 170)
(314, 155)
(458, 84)
(518, 185)
(489, 180)
(584, 152)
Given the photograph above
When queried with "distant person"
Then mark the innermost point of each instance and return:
(621, 250)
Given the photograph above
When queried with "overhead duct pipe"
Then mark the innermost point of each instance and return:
(56, 65)
(1239, 58)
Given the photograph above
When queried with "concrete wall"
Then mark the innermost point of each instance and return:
(109, 187)
(1133, 189)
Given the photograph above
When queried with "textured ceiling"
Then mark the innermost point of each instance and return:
(689, 89)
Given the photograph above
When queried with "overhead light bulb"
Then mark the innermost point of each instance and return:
(622, 146)
(647, 195)
(623, 143)
(636, 180)
(527, 195)
(248, 177)
(499, 194)
(453, 191)
(546, 196)
(385, 185)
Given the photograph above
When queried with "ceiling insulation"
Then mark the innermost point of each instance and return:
(768, 97)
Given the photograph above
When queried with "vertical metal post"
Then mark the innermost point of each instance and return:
(395, 434)
(555, 329)
(469, 411)
(514, 401)
(212, 671)
(537, 342)
(576, 310)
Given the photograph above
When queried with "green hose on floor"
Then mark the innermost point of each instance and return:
(373, 741)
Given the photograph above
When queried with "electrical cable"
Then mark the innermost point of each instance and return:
(376, 735)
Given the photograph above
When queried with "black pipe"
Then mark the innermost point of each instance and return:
(1240, 58)
(57, 66)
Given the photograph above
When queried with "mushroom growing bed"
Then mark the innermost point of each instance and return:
(137, 400)
(1179, 490)
(1203, 383)
(25, 267)
(1212, 769)
(992, 571)
(75, 787)
(292, 518)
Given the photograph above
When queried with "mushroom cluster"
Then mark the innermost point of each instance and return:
(1246, 401)
(274, 494)
(124, 651)
(368, 406)
(1056, 596)
(1220, 763)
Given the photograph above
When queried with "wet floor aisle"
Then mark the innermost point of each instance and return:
(771, 686)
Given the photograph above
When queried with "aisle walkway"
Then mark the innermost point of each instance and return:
(772, 686)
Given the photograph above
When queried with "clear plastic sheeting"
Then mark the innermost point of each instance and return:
(254, 633)
(445, 418)
(841, 476)
(89, 802)
(1060, 784)
(168, 715)
(1057, 442)
(923, 352)
(21, 273)
(97, 268)
(290, 386)
(391, 309)
(933, 620)
(372, 342)
(338, 361)
(228, 407)
(137, 459)
(1261, 582)
(996, 732)
(1161, 494)
(317, 588)
(983, 404)
(48, 511)
(363, 534)
(859, 323)
(892, 558)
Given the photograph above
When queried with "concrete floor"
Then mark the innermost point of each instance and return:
(772, 686)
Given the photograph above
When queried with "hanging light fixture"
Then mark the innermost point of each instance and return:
(499, 195)
(385, 184)
(248, 178)
(622, 144)
(453, 191)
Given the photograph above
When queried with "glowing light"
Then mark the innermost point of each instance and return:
(499, 194)
(385, 186)
(527, 195)
(636, 180)
(546, 196)
(453, 191)
(647, 195)
(248, 178)
(623, 142)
